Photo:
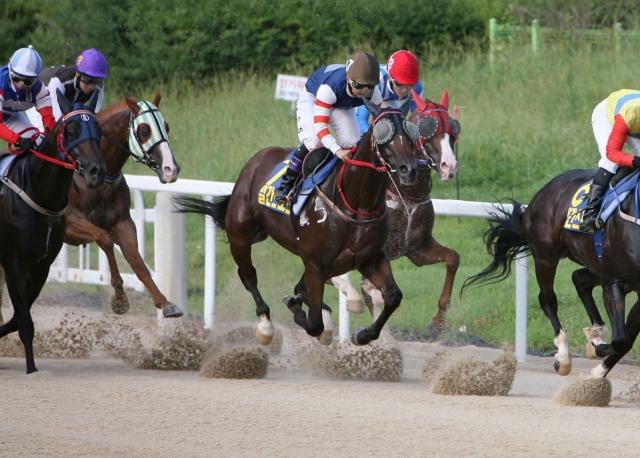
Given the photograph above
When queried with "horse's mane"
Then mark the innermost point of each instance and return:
(117, 107)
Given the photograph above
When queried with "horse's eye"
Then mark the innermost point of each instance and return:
(72, 130)
(143, 132)
(166, 126)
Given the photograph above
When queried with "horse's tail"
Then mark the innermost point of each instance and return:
(505, 241)
(216, 209)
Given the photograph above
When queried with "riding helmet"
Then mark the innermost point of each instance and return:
(93, 63)
(363, 68)
(25, 62)
(404, 68)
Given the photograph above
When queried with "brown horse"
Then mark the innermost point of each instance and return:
(102, 214)
(539, 229)
(412, 215)
(343, 226)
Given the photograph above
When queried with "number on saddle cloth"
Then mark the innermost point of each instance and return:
(316, 167)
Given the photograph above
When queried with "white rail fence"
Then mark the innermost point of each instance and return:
(170, 247)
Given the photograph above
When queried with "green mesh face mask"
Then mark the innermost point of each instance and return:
(140, 146)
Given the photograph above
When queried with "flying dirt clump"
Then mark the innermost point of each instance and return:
(632, 395)
(349, 362)
(239, 363)
(434, 365)
(472, 377)
(246, 336)
(179, 348)
(593, 392)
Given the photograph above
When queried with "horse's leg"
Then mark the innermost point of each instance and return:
(378, 272)
(435, 253)
(125, 236)
(21, 320)
(584, 281)
(633, 328)
(241, 252)
(2, 283)
(354, 301)
(299, 316)
(79, 229)
(614, 301)
(546, 266)
(374, 300)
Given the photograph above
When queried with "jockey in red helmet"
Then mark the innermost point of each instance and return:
(397, 78)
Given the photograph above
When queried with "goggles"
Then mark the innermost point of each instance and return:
(86, 79)
(396, 84)
(358, 86)
(27, 81)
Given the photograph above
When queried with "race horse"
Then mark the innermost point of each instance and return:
(539, 230)
(134, 129)
(343, 226)
(33, 202)
(411, 211)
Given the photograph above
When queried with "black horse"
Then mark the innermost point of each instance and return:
(539, 229)
(343, 226)
(33, 201)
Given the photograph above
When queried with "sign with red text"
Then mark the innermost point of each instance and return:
(289, 86)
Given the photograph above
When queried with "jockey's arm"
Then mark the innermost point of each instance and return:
(6, 134)
(616, 141)
(325, 98)
(363, 119)
(54, 84)
(43, 105)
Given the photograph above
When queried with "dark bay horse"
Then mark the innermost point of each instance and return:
(33, 201)
(343, 226)
(411, 210)
(102, 214)
(538, 230)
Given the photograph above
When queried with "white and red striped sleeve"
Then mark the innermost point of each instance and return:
(45, 108)
(325, 98)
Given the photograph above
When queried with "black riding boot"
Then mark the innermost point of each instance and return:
(596, 193)
(291, 175)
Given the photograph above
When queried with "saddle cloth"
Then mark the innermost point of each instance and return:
(317, 166)
(611, 201)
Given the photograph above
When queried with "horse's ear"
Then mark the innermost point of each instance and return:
(372, 107)
(421, 105)
(406, 106)
(93, 101)
(445, 99)
(65, 105)
(156, 98)
(132, 103)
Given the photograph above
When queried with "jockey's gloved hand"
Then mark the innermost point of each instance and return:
(636, 162)
(26, 144)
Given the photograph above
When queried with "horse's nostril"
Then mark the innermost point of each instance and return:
(94, 171)
(451, 175)
(403, 169)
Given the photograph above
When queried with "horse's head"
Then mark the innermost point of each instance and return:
(438, 133)
(393, 139)
(149, 138)
(78, 139)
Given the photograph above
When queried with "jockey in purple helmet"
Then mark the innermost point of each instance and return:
(77, 83)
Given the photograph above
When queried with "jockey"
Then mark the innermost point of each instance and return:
(397, 78)
(615, 121)
(329, 98)
(20, 89)
(77, 83)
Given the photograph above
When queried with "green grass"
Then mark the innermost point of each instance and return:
(522, 123)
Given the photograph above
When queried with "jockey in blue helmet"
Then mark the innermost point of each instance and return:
(20, 90)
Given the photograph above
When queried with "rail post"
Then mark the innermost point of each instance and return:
(535, 33)
(521, 308)
(617, 34)
(493, 32)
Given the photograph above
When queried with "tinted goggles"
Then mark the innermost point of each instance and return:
(28, 81)
(396, 84)
(358, 86)
(86, 79)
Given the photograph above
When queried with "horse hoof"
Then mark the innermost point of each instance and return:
(590, 350)
(172, 311)
(359, 338)
(120, 307)
(326, 337)
(562, 369)
(433, 331)
(262, 339)
(32, 371)
(355, 306)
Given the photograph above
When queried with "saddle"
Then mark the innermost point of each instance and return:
(315, 169)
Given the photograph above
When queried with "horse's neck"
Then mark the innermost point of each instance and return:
(50, 182)
(114, 156)
(363, 187)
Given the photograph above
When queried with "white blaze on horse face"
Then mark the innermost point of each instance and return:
(448, 162)
(169, 167)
